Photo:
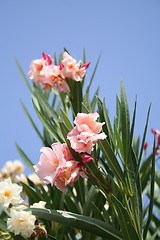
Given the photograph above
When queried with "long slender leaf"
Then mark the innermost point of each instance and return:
(25, 158)
(47, 124)
(89, 85)
(23, 75)
(31, 193)
(84, 223)
(125, 118)
(128, 231)
(111, 160)
(66, 120)
(136, 189)
(31, 121)
(144, 137)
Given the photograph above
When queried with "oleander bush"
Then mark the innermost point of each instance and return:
(94, 179)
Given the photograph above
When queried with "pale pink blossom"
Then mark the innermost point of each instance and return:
(57, 166)
(54, 77)
(71, 69)
(86, 133)
(68, 174)
(37, 66)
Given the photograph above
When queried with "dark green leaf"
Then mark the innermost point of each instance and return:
(144, 137)
(89, 85)
(125, 119)
(25, 158)
(127, 228)
(84, 223)
(47, 124)
(111, 160)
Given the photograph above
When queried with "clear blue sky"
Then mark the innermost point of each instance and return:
(127, 32)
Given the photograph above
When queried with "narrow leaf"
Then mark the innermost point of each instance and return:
(127, 228)
(25, 158)
(84, 223)
(111, 160)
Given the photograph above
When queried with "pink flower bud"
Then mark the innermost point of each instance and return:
(86, 65)
(145, 145)
(61, 66)
(86, 158)
(47, 58)
(157, 152)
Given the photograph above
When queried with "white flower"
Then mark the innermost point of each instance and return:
(18, 167)
(35, 179)
(21, 222)
(8, 168)
(40, 204)
(10, 193)
(11, 168)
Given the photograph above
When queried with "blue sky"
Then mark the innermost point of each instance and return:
(127, 32)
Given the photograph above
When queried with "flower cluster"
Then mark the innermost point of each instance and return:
(20, 221)
(44, 71)
(57, 165)
(15, 171)
(86, 132)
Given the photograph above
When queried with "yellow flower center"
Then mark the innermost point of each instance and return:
(7, 193)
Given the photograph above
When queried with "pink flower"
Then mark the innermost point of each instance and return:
(54, 77)
(68, 174)
(157, 135)
(71, 69)
(85, 134)
(36, 67)
(57, 166)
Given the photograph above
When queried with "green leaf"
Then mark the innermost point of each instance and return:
(31, 121)
(119, 141)
(133, 122)
(84, 223)
(94, 100)
(66, 120)
(31, 193)
(125, 118)
(89, 85)
(25, 158)
(127, 228)
(136, 188)
(101, 115)
(23, 75)
(77, 97)
(46, 107)
(90, 197)
(151, 193)
(47, 124)
(86, 101)
(85, 109)
(111, 160)
(144, 137)
(108, 125)
(3, 226)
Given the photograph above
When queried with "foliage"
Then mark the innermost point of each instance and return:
(111, 202)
